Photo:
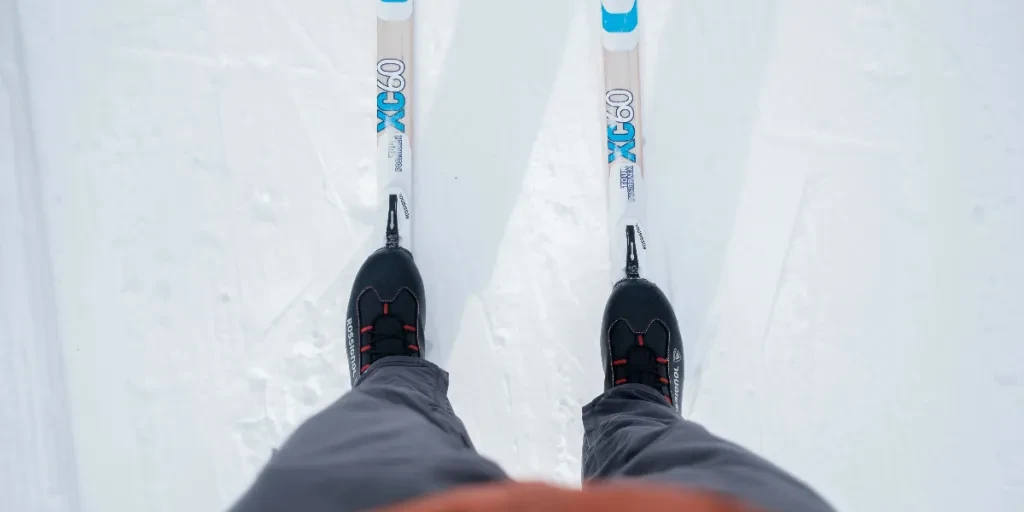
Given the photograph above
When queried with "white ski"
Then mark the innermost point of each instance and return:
(627, 195)
(394, 118)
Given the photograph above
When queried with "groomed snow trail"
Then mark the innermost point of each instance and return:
(837, 198)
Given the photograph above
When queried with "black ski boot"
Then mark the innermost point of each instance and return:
(385, 310)
(640, 340)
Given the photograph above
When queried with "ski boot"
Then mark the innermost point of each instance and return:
(640, 340)
(385, 310)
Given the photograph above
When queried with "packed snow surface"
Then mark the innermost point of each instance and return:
(187, 188)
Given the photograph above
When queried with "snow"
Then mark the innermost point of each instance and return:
(187, 188)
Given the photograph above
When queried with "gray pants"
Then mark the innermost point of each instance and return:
(396, 437)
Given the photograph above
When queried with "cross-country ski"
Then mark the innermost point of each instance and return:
(394, 118)
(627, 194)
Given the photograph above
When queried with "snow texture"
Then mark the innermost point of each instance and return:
(187, 188)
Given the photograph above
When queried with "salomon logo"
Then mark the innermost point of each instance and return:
(621, 133)
(391, 99)
(350, 338)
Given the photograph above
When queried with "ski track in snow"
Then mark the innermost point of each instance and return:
(837, 198)
(38, 470)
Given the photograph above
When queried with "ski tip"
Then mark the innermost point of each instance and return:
(619, 16)
(394, 10)
(619, 21)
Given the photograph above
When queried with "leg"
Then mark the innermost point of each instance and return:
(632, 432)
(392, 438)
(634, 429)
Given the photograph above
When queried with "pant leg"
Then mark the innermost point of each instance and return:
(630, 431)
(392, 438)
